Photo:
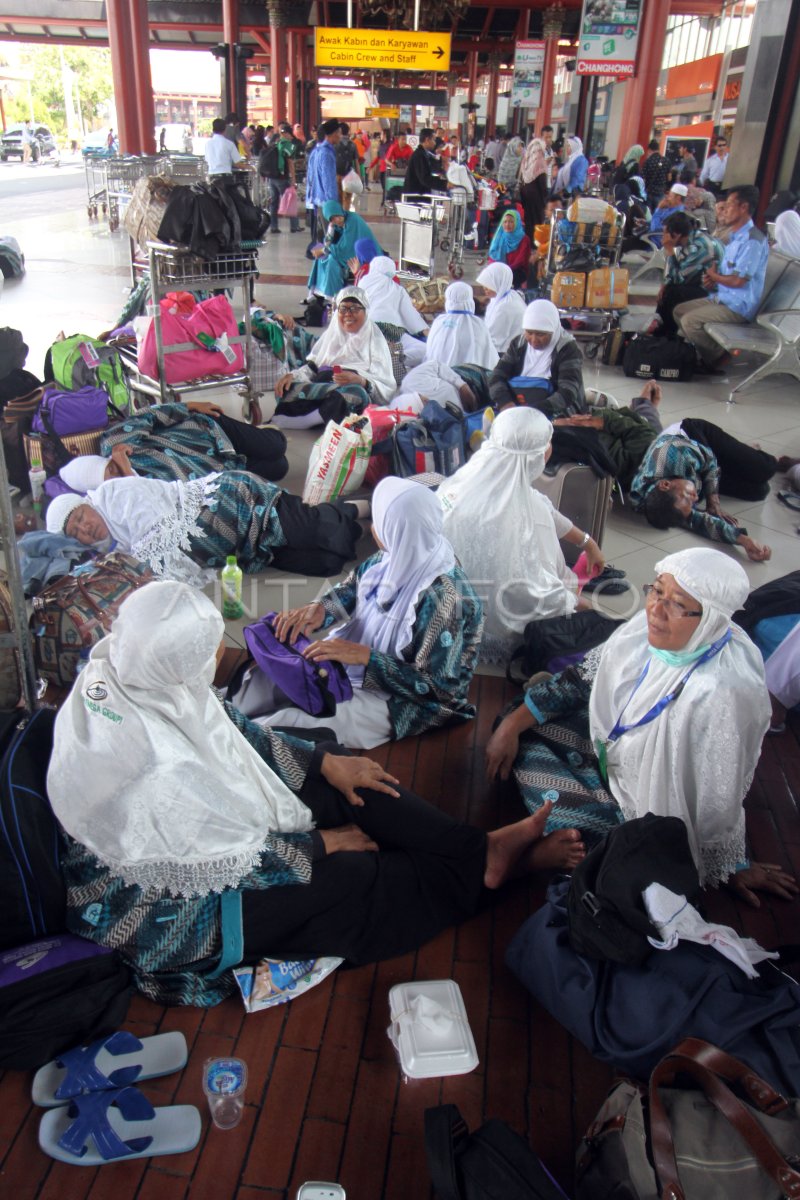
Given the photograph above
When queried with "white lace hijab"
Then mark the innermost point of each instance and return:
(502, 529)
(506, 309)
(696, 760)
(153, 518)
(457, 336)
(147, 770)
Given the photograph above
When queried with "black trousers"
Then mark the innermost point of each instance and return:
(320, 538)
(533, 196)
(365, 907)
(264, 449)
(744, 472)
(675, 294)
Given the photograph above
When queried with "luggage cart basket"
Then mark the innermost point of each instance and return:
(122, 175)
(96, 184)
(456, 216)
(176, 268)
(421, 220)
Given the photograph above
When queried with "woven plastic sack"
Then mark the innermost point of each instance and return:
(339, 460)
(265, 367)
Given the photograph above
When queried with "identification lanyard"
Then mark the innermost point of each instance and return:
(601, 747)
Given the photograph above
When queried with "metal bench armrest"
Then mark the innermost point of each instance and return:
(765, 320)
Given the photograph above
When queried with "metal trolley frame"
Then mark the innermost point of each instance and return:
(96, 184)
(175, 268)
(599, 321)
(423, 221)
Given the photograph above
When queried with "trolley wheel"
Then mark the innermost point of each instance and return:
(444, 245)
(456, 270)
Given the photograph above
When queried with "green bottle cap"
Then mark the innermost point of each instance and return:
(231, 560)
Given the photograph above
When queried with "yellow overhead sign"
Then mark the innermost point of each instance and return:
(382, 49)
(390, 114)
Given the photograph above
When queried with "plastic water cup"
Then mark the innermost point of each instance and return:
(224, 1083)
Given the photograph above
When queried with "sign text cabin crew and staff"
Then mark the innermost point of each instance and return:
(382, 49)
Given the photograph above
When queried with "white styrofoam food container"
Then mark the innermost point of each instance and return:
(424, 1053)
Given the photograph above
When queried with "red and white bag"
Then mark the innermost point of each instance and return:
(339, 459)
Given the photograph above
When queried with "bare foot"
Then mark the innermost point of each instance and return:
(505, 847)
(561, 850)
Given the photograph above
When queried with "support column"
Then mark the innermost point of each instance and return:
(491, 98)
(119, 39)
(552, 25)
(640, 92)
(295, 74)
(230, 35)
(277, 59)
(140, 53)
(472, 58)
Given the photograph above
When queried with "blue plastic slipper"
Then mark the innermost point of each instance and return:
(102, 1127)
(111, 1062)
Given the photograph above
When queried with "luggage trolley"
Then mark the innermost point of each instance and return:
(593, 227)
(122, 175)
(96, 184)
(423, 219)
(174, 268)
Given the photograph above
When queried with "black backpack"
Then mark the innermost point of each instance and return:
(494, 1163)
(32, 892)
(667, 359)
(607, 916)
(57, 990)
(557, 638)
(268, 161)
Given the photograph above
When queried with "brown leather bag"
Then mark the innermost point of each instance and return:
(729, 1136)
(16, 422)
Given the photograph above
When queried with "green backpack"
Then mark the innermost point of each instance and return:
(66, 365)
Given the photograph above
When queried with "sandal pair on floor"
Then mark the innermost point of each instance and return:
(98, 1116)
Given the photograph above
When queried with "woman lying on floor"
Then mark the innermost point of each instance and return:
(406, 624)
(180, 528)
(506, 534)
(667, 717)
(176, 810)
(351, 360)
(179, 441)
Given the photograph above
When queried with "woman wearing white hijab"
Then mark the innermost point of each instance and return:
(188, 833)
(542, 368)
(506, 308)
(787, 233)
(667, 718)
(510, 163)
(390, 304)
(406, 624)
(185, 530)
(353, 357)
(506, 534)
(572, 176)
(457, 336)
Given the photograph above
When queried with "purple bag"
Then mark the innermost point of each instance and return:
(316, 687)
(55, 486)
(61, 413)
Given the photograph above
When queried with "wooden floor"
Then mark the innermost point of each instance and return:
(325, 1098)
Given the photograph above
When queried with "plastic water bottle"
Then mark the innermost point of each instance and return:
(231, 580)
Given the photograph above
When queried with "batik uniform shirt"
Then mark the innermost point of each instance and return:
(689, 263)
(675, 456)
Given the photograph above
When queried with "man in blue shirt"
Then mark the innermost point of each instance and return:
(737, 285)
(321, 184)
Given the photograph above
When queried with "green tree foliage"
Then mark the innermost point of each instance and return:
(92, 68)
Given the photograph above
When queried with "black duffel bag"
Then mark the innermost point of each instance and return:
(665, 359)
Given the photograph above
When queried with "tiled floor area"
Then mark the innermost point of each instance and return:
(325, 1099)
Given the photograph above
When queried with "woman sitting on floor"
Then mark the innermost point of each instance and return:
(506, 534)
(182, 529)
(391, 309)
(542, 368)
(506, 307)
(329, 272)
(175, 808)
(667, 717)
(365, 250)
(406, 624)
(350, 362)
(179, 441)
(457, 335)
(512, 246)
